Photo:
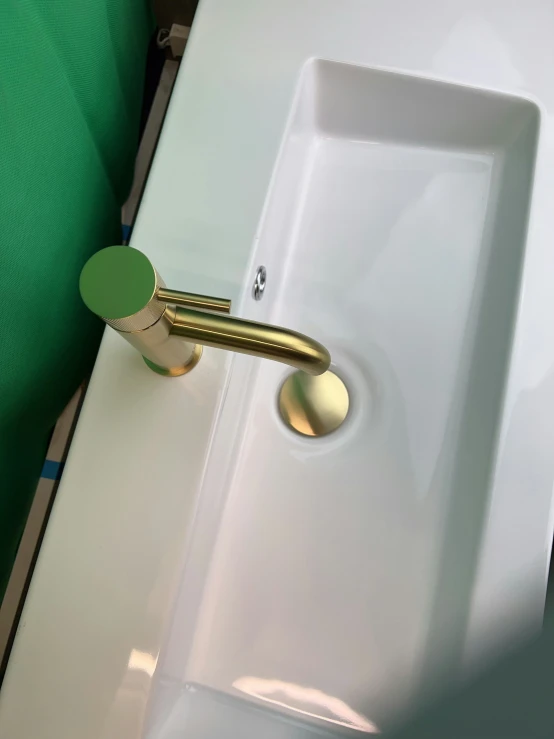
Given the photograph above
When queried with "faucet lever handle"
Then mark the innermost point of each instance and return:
(191, 300)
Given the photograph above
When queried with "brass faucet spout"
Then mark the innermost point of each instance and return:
(121, 286)
(250, 337)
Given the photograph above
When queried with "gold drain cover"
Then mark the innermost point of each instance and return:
(313, 405)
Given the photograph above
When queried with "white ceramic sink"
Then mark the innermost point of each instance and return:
(206, 572)
(326, 575)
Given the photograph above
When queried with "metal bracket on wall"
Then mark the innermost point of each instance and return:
(174, 38)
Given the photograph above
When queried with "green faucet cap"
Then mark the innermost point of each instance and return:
(118, 282)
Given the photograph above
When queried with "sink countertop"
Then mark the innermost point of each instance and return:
(107, 575)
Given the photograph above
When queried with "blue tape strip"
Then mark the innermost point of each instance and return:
(52, 470)
(126, 232)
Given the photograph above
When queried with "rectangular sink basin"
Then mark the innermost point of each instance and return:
(330, 579)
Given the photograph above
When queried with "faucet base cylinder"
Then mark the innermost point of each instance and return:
(177, 371)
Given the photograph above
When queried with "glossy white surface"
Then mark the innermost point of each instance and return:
(126, 587)
(393, 232)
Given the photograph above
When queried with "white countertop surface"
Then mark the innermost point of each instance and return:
(105, 583)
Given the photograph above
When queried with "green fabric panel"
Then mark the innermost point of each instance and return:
(71, 81)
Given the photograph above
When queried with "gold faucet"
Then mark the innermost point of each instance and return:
(121, 286)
